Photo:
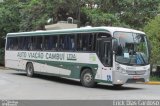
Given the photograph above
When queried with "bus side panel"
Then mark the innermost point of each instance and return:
(11, 60)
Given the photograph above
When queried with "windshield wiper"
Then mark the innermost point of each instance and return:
(140, 57)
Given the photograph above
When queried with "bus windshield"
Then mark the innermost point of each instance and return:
(132, 48)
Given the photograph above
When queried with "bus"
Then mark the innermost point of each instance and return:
(111, 55)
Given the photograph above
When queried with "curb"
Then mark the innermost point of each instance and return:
(1, 67)
(153, 83)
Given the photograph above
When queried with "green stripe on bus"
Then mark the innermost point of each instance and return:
(74, 67)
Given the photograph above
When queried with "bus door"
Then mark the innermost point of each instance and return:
(104, 52)
(104, 49)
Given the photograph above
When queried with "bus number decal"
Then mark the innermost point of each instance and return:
(108, 77)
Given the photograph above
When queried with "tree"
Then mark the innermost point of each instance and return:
(152, 30)
(9, 17)
(138, 12)
(35, 13)
(98, 18)
(135, 13)
(33, 16)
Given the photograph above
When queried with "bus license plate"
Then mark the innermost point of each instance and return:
(135, 77)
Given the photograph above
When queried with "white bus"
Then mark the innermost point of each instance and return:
(110, 55)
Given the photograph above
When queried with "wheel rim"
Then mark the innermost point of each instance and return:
(87, 78)
(30, 70)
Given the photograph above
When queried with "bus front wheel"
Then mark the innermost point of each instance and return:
(87, 78)
(30, 70)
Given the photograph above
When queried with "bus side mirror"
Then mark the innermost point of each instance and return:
(115, 45)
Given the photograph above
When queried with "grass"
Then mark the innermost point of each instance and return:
(154, 78)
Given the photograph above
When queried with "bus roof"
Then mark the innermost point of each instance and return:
(110, 30)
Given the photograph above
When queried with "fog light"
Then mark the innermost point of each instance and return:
(119, 81)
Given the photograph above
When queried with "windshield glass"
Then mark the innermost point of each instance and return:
(132, 48)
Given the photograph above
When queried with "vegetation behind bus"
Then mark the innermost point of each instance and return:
(2, 56)
(2, 43)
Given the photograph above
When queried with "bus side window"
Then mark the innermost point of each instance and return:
(9, 40)
(55, 42)
(50, 43)
(66, 43)
(81, 42)
(22, 41)
(61, 42)
(38, 44)
(91, 42)
(45, 43)
(13, 43)
(30, 46)
(25, 43)
(85, 42)
(31, 43)
(71, 42)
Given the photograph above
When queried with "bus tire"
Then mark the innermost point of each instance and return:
(87, 78)
(30, 70)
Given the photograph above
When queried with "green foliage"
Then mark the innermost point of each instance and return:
(9, 17)
(35, 13)
(131, 12)
(1, 56)
(33, 16)
(27, 15)
(154, 78)
(98, 18)
(152, 30)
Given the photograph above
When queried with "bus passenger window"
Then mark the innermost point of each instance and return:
(55, 43)
(85, 42)
(13, 43)
(38, 43)
(9, 40)
(22, 42)
(46, 43)
(71, 42)
(61, 42)
(31, 43)
(25, 43)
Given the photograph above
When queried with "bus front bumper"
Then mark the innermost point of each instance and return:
(119, 78)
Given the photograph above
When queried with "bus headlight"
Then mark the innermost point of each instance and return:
(121, 70)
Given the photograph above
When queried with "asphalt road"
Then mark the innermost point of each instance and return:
(16, 85)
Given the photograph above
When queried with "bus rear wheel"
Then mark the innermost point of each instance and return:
(87, 78)
(30, 70)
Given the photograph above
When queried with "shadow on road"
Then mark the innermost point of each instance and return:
(77, 83)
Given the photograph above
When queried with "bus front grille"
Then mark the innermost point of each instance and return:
(136, 72)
